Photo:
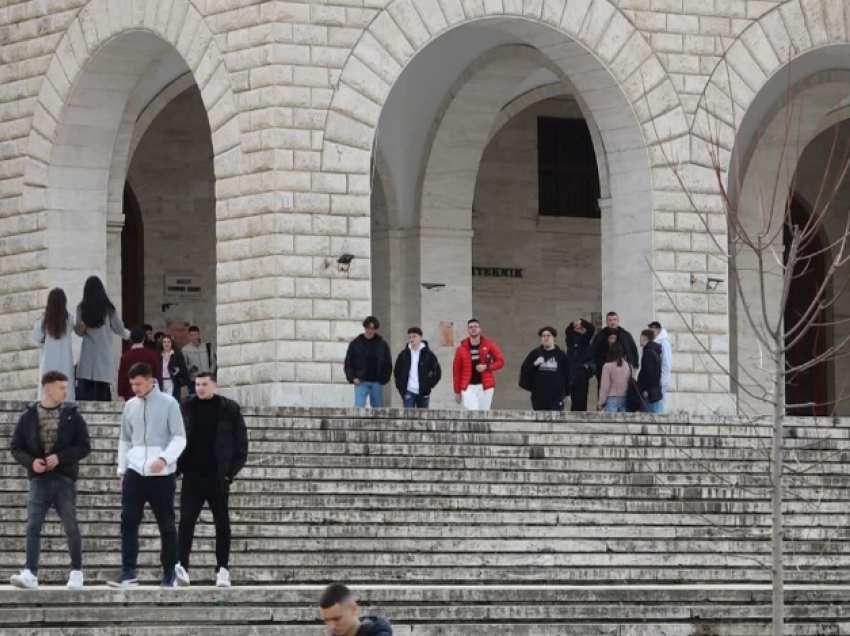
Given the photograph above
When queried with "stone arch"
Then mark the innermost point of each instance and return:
(595, 46)
(78, 151)
(728, 112)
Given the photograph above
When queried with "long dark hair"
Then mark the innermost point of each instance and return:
(615, 354)
(95, 305)
(55, 322)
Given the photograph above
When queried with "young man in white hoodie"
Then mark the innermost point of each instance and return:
(663, 338)
(152, 439)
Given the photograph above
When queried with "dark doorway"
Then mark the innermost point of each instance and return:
(132, 262)
(811, 385)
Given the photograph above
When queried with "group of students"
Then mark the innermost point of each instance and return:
(550, 374)
(97, 321)
(203, 439)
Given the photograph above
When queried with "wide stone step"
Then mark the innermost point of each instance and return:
(479, 611)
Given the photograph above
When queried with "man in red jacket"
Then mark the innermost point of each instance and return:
(138, 352)
(475, 361)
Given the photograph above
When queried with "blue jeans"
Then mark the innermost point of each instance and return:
(616, 404)
(373, 390)
(415, 401)
(59, 491)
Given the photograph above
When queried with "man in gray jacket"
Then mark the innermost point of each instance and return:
(152, 439)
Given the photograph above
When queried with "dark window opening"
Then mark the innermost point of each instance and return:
(567, 175)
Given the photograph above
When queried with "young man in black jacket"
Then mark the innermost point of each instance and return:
(368, 364)
(417, 371)
(601, 343)
(546, 373)
(50, 440)
(341, 614)
(216, 450)
(649, 378)
(579, 337)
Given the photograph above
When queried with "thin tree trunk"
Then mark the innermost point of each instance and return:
(778, 494)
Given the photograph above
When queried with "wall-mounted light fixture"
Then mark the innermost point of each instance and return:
(344, 262)
(433, 285)
(713, 283)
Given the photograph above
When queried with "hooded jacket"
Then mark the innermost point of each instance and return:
(649, 378)
(429, 370)
(663, 339)
(72, 441)
(462, 368)
(374, 626)
(357, 359)
(549, 380)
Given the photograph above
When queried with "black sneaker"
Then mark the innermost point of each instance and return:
(126, 579)
(169, 579)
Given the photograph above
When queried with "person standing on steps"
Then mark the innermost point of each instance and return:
(579, 337)
(150, 343)
(368, 365)
(151, 440)
(417, 371)
(50, 441)
(649, 378)
(97, 320)
(175, 374)
(341, 614)
(476, 360)
(216, 450)
(602, 342)
(52, 333)
(663, 338)
(614, 384)
(199, 357)
(138, 352)
(546, 373)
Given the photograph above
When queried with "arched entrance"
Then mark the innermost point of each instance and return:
(434, 128)
(809, 386)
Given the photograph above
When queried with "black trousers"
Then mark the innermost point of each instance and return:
(547, 403)
(93, 391)
(579, 386)
(195, 493)
(159, 493)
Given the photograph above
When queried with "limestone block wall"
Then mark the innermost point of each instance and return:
(293, 92)
(560, 257)
(173, 179)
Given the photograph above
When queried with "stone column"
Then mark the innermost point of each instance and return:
(446, 259)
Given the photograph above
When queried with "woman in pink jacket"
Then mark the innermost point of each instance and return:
(614, 383)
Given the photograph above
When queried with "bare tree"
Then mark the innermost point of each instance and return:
(767, 249)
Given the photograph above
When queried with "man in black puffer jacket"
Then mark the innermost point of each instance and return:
(416, 381)
(341, 614)
(649, 378)
(50, 440)
(368, 364)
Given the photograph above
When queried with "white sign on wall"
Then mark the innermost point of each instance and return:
(188, 286)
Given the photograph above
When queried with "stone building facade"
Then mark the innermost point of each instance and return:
(393, 131)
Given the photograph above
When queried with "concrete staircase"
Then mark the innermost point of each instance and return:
(449, 499)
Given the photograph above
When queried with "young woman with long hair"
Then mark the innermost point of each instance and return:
(175, 373)
(97, 320)
(52, 333)
(614, 385)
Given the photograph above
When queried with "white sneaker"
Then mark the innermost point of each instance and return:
(223, 578)
(75, 580)
(26, 580)
(182, 576)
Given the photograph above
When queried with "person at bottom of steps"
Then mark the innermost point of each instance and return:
(152, 438)
(341, 614)
(50, 440)
(216, 450)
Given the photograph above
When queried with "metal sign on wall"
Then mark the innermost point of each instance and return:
(182, 286)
